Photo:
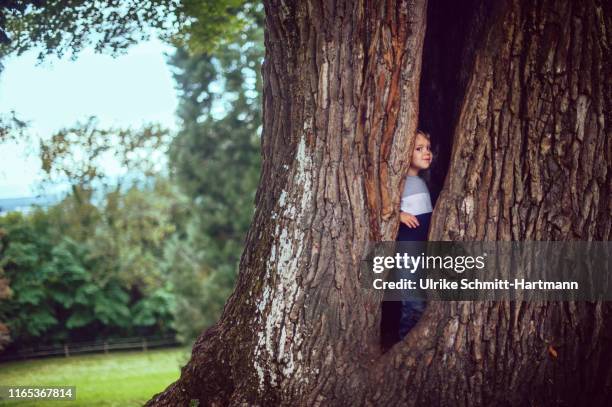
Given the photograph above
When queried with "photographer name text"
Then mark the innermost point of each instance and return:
(476, 284)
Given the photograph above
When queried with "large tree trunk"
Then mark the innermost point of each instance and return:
(531, 160)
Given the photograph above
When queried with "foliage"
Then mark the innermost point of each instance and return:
(42, 276)
(5, 294)
(77, 155)
(77, 270)
(215, 160)
(62, 26)
(11, 127)
(130, 241)
(214, 23)
(59, 27)
(93, 266)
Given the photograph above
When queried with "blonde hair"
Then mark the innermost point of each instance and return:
(424, 134)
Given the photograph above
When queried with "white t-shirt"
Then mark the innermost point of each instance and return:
(415, 198)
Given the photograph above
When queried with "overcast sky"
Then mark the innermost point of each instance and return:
(129, 90)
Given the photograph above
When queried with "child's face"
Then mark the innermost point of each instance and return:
(421, 155)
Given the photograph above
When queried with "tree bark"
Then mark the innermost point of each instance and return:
(531, 158)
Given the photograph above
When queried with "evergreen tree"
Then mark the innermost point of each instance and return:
(215, 160)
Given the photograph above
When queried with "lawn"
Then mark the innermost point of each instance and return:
(116, 379)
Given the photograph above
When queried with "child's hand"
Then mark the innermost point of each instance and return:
(409, 220)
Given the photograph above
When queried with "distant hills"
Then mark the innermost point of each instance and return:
(26, 204)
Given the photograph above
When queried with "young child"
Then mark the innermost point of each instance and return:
(415, 215)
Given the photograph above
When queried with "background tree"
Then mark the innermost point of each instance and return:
(215, 160)
(78, 155)
(340, 105)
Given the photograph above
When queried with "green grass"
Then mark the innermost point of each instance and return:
(116, 379)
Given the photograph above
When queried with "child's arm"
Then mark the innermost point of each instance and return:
(409, 220)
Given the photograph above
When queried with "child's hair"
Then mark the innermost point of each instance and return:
(424, 134)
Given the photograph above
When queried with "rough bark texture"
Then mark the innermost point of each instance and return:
(531, 160)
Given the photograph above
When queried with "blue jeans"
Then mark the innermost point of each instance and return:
(412, 309)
